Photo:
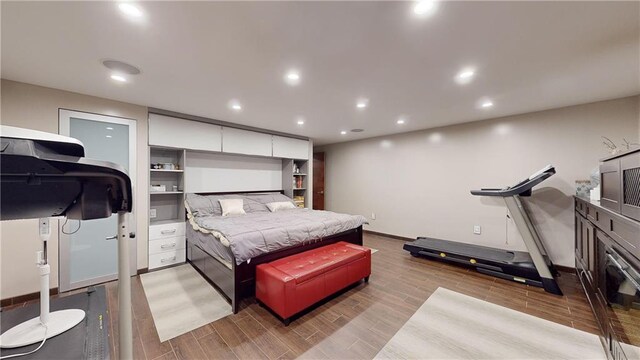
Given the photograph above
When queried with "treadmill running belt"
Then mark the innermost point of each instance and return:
(468, 250)
(87, 340)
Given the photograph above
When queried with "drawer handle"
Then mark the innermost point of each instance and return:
(167, 232)
(167, 246)
(167, 259)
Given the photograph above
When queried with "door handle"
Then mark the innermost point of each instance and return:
(111, 237)
(623, 270)
(321, 192)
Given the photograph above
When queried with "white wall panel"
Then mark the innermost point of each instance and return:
(238, 141)
(206, 172)
(186, 134)
(289, 148)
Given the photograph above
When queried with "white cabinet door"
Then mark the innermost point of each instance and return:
(245, 142)
(289, 148)
(184, 134)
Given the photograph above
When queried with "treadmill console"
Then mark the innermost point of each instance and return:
(523, 188)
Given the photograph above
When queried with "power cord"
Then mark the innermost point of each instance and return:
(70, 233)
(32, 351)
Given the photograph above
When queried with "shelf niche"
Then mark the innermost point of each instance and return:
(168, 204)
(295, 180)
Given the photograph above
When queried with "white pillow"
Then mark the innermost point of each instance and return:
(282, 205)
(232, 206)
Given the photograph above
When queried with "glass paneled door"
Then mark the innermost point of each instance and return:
(89, 249)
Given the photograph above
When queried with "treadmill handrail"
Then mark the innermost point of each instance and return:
(523, 188)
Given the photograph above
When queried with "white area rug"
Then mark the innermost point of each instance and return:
(373, 251)
(181, 300)
(450, 325)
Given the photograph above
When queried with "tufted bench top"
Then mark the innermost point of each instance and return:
(309, 264)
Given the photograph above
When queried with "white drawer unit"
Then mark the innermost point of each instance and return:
(166, 258)
(166, 230)
(168, 244)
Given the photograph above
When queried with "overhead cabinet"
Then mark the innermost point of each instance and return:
(185, 134)
(245, 142)
(171, 132)
(289, 148)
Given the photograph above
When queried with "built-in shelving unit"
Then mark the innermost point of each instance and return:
(166, 208)
(295, 180)
(221, 158)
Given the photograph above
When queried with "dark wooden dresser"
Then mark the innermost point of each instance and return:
(607, 249)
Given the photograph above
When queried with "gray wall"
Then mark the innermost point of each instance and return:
(418, 183)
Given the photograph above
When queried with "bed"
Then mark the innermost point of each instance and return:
(226, 250)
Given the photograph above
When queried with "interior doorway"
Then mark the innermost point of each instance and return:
(318, 181)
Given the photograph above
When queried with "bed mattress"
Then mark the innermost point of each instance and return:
(254, 234)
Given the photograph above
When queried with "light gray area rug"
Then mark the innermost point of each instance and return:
(181, 300)
(450, 325)
(373, 251)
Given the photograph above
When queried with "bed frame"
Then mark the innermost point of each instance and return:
(238, 282)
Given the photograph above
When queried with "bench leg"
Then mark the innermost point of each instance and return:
(366, 279)
(287, 321)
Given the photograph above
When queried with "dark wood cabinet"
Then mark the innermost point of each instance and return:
(610, 184)
(630, 185)
(585, 246)
(607, 263)
(620, 183)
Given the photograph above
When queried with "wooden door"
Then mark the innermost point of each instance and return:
(318, 181)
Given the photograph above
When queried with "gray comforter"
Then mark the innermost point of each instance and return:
(254, 234)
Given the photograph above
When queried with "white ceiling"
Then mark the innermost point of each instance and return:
(197, 56)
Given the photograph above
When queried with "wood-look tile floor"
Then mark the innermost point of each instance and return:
(354, 325)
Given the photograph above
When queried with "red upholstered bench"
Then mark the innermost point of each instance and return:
(292, 284)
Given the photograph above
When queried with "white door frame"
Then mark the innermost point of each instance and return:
(64, 121)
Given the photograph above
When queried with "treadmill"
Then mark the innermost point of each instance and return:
(532, 268)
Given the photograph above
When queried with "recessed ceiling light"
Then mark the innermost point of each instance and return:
(235, 105)
(400, 121)
(487, 104)
(362, 103)
(465, 76)
(343, 132)
(130, 9)
(292, 77)
(425, 8)
(300, 122)
(108, 136)
(119, 78)
(109, 128)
